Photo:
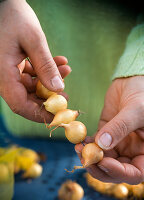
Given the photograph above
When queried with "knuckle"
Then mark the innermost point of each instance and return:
(47, 66)
(120, 128)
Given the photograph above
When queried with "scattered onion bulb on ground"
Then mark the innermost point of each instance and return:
(43, 92)
(129, 187)
(75, 131)
(55, 103)
(138, 190)
(105, 188)
(64, 116)
(32, 155)
(91, 154)
(34, 171)
(4, 173)
(16, 168)
(120, 191)
(70, 191)
(2, 151)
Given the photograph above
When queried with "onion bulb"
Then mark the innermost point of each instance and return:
(2, 151)
(91, 154)
(17, 168)
(55, 103)
(129, 187)
(75, 131)
(32, 155)
(138, 190)
(64, 116)
(104, 188)
(43, 92)
(120, 191)
(34, 171)
(70, 191)
(4, 173)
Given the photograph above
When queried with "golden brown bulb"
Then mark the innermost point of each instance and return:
(43, 92)
(91, 154)
(64, 116)
(70, 191)
(55, 103)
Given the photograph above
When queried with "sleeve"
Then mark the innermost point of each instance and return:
(131, 62)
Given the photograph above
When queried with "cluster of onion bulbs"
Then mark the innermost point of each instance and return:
(119, 191)
(25, 161)
(75, 131)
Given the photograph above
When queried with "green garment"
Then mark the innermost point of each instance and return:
(132, 61)
(92, 35)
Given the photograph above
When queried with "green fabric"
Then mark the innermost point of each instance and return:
(132, 61)
(92, 35)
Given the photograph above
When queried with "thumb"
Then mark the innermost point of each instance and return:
(45, 67)
(125, 122)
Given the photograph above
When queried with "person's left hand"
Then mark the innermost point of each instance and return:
(121, 133)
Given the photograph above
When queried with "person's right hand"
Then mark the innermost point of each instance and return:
(21, 36)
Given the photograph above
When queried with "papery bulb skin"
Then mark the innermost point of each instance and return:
(70, 191)
(91, 154)
(43, 92)
(138, 190)
(34, 171)
(29, 153)
(120, 191)
(64, 116)
(75, 131)
(104, 188)
(55, 103)
(4, 173)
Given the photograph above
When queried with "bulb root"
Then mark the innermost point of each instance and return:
(47, 126)
(81, 112)
(53, 130)
(74, 168)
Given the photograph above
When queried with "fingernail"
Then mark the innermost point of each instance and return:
(57, 83)
(103, 168)
(105, 141)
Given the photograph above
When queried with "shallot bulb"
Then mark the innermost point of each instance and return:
(120, 191)
(29, 153)
(64, 116)
(55, 103)
(75, 131)
(34, 171)
(138, 190)
(91, 154)
(70, 191)
(104, 188)
(4, 173)
(43, 92)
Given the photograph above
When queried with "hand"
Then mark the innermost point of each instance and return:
(21, 36)
(121, 133)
